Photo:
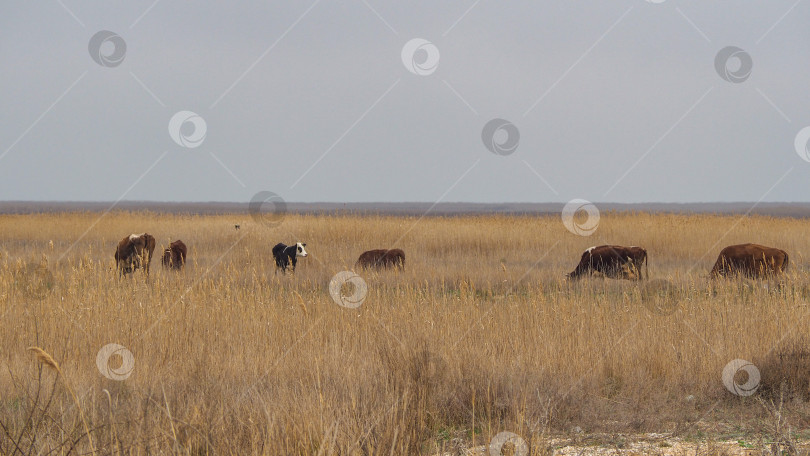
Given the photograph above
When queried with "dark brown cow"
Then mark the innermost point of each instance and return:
(381, 259)
(613, 261)
(751, 260)
(174, 256)
(133, 252)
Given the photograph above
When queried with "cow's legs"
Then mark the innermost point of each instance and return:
(636, 270)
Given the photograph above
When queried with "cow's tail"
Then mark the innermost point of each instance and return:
(787, 261)
(647, 265)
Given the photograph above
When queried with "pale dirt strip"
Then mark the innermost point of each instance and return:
(652, 444)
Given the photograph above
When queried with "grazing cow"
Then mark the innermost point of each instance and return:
(286, 255)
(237, 226)
(751, 260)
(133, 252)
(613, 261)
(174, 256)
(381, 259)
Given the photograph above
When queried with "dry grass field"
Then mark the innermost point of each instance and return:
(479, 335)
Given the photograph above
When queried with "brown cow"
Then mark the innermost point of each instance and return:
(381, 258)
(751, 260)
(174, 256)
(133, 252)
(613, 261)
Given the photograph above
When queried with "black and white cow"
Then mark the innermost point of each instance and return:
(288, 254)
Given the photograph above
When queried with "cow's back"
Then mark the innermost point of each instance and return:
(174, 256)
(750, 259)
(179, 247)
(381, 258)
(397, 256)
(611, 260)
(369, 258)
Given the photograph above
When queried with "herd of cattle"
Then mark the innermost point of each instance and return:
(614, 261)
(750, 260)
(136, 250)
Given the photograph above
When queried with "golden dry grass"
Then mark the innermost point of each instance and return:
(480, 334)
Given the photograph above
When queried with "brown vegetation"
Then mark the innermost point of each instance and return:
(480, 334)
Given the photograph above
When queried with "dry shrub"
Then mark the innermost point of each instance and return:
(785, 370)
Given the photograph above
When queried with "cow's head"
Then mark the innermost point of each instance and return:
(629, 270)
(127, 264)
(299, 249)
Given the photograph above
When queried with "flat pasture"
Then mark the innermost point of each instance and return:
(479, 335)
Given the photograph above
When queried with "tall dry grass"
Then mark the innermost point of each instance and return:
(480, 334)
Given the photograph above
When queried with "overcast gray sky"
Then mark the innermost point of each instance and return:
(616, 101)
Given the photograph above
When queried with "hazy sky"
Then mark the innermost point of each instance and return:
(623, 101)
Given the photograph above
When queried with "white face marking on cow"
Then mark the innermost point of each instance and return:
(299, 249)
